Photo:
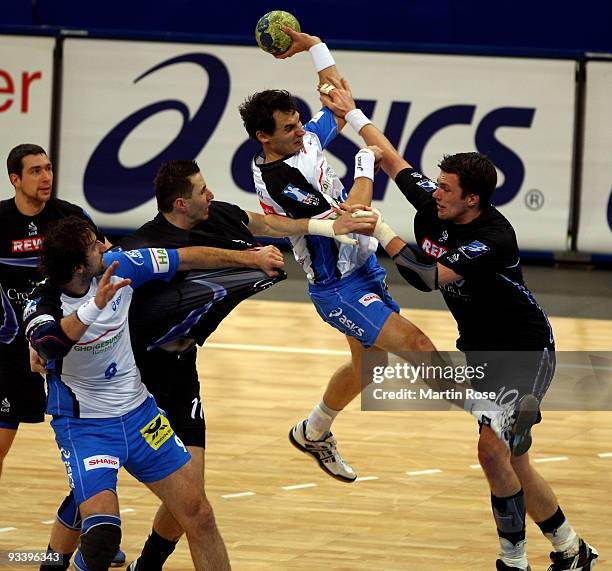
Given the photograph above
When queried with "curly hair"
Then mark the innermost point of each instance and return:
(65, 249)
(257, 111)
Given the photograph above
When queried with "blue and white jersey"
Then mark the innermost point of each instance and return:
(304, 185)
(98, 378)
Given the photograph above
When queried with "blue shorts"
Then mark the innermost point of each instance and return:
(357, 305)
(93, 449)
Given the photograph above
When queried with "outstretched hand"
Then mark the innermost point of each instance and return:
(348, 222)
(301, 42)
(106, 288)
(339, 98)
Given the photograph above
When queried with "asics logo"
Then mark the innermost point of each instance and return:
(352, 327)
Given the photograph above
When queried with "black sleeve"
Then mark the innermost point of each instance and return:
(234, 211)
(487, 255)
(416, 187)
(41, 318)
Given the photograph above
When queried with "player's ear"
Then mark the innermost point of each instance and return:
(473, 200)
(14, 178)
(262, 137)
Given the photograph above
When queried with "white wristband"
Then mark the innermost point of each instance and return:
(357, 120)
(384, 234)
(326, 228)
(364, 164)
(88, 312)
(321, 57)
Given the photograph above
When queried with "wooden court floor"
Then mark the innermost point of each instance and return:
(421, 503)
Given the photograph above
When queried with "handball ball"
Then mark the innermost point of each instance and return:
(270, 38)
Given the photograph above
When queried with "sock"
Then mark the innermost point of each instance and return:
(559, 532)
(155, 552)
(483, 410)
(320, 421)
(56, 565)
(509, 514)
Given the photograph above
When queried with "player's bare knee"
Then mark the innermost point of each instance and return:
(201, 519)
(492, 454)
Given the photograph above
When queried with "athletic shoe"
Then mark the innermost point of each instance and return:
(501, 566)
(323, 451)
(118, 560)
(513, 426)
(582, 559)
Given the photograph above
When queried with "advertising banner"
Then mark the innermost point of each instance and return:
(128, 106)
(595, 223)
(26, 80)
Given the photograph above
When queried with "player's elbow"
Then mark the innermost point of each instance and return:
(50, 341)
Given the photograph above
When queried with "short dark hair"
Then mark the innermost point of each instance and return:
(65, 248)
(172, 181)
(476, 172)
(14, 161)
(257, 111)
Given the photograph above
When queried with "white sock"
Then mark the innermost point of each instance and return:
(564, 537)
(320, 421)
(513, 555)
(483, 410)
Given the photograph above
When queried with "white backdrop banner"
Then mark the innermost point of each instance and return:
(127, 106)
(26, 80)
(595, 224)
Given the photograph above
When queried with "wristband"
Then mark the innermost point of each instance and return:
(357, 119)
(88, 312)
(321, 57)
(326, 228)
(364, 164)
(384, 233)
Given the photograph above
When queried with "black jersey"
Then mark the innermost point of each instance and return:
(21, 239)
(226, 227)
(493, 308)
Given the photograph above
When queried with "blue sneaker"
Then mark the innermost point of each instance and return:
(118, 560)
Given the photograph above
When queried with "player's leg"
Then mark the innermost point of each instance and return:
(8, 431)
(159, 459)
(182, 493)
(570, 551)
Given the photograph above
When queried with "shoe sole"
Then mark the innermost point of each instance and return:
(528, 414)
(321, 465)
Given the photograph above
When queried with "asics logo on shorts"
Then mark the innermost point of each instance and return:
(346, 322)
(157, 431)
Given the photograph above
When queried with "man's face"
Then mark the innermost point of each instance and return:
(452, 205)
(288, 136)
(198, 204)
(36, 179)
(94, 261)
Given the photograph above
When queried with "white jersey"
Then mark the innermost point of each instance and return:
(304, 185)
(99, 378)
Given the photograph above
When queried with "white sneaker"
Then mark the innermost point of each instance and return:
(323, 451)
(513, 426)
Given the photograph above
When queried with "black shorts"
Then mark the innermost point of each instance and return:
(22, 392)
(513, 374)
(172, 378)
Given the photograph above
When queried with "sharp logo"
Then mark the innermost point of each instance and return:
(101, 461)
(369, 298)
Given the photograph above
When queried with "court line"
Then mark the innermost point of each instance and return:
(5, 529)
(299, 486)
(552, 459)
(366, 478)
(238, 495)
(605, 455)
(424, 472)
(272, 349)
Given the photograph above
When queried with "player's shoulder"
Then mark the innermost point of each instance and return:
(7, 206)
(64, 207)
